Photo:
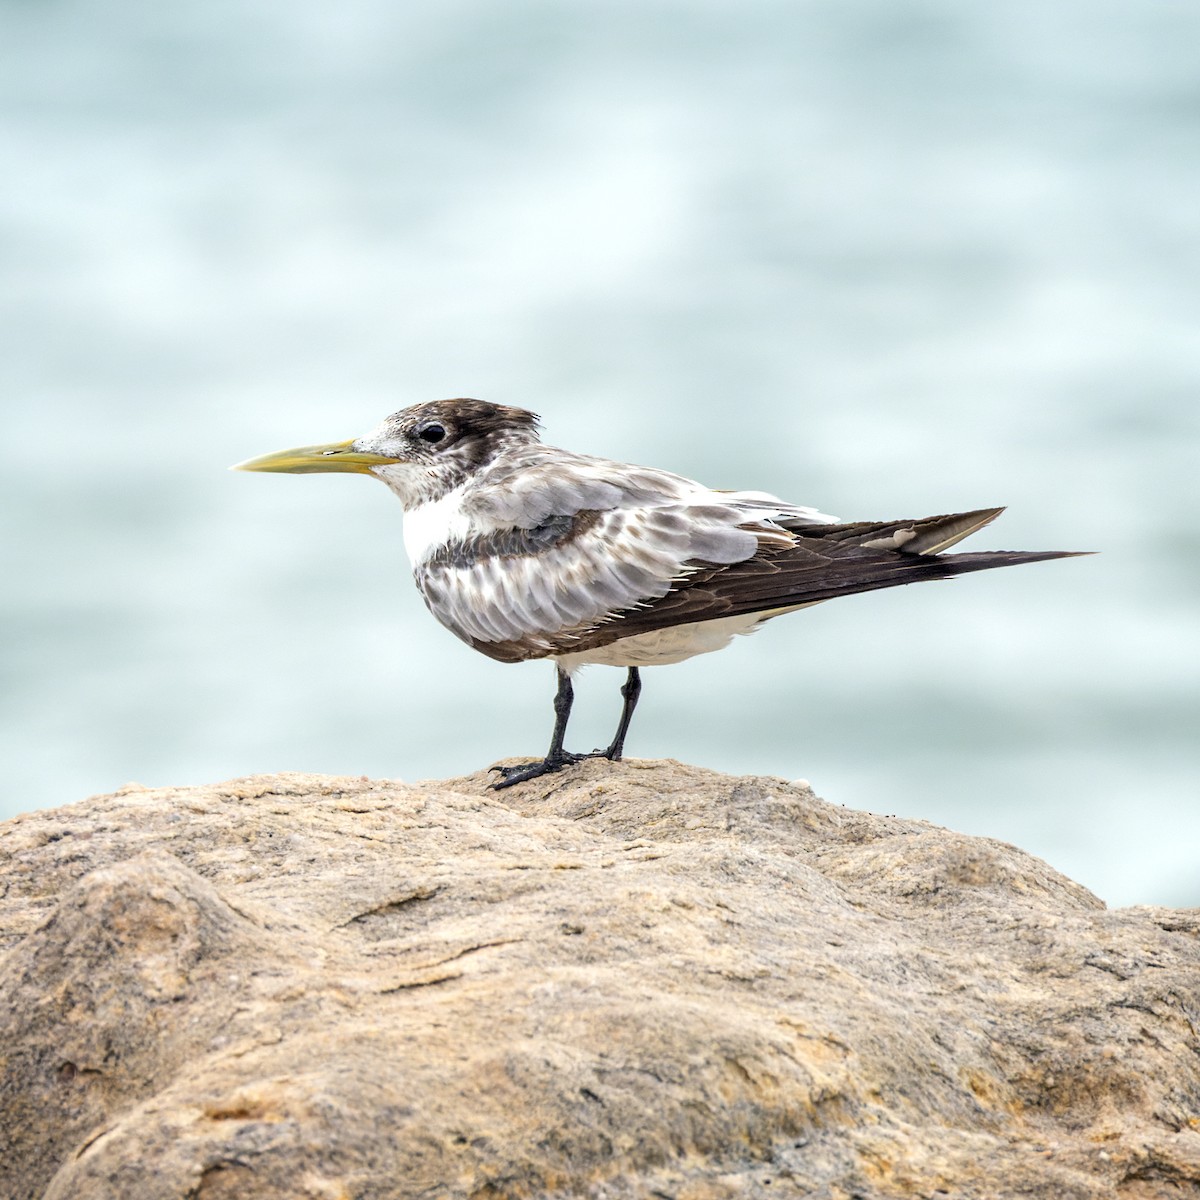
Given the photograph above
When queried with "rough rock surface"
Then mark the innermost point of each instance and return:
(630, 981)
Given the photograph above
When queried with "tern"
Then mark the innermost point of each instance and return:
(526, 551)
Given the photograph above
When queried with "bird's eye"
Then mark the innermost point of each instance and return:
(431, 433)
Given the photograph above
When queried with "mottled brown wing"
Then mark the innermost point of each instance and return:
(823, 562)
(516, 593)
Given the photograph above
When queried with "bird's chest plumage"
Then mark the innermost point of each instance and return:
(436, 523)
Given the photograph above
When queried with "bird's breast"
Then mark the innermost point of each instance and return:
(433, 524)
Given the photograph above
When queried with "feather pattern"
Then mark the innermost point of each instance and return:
(528, 551)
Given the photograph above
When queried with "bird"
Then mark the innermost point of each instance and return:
(526, 551)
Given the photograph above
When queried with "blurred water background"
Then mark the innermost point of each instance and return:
(890, 260)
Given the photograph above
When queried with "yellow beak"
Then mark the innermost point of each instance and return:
(336, 456)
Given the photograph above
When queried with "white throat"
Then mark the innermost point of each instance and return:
(435, 523)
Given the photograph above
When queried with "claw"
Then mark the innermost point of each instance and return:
(523, 772)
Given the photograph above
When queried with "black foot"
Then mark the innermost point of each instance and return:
(535, 770)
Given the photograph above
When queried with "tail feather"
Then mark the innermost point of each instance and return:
(940, 533)
(869, 555)
(929, 535)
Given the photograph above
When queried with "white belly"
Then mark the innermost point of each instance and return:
(664, 646)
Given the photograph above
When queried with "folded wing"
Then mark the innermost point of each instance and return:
(580, 560)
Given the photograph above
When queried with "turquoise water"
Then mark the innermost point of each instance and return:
(887, 261)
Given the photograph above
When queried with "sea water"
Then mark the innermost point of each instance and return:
(889, 260)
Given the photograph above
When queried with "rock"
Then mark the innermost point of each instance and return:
(622, 981)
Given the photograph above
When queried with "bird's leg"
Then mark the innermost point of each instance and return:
(630, 692)
(564, 698)
(556, 757)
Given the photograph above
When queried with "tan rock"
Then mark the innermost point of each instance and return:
(623, 981)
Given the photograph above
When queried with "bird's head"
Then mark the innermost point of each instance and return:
(421, 452)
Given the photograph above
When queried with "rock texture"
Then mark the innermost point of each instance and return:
(630, 981)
